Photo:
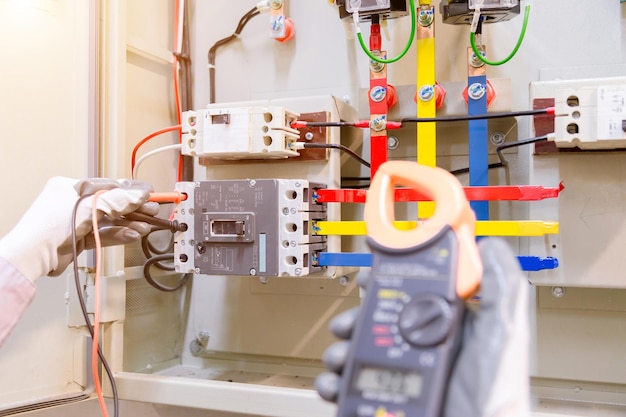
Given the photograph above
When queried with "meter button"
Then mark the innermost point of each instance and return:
(426, 320)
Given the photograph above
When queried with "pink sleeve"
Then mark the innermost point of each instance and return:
(16, 293)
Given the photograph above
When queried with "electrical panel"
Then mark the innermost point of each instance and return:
(261, 227)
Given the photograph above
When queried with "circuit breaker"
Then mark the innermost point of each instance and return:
(251, 227)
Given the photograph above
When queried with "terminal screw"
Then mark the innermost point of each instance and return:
(378, 93)
(378, 124)
(376, 66)
(276, 4)
(476, 91)
(426, 17)
(426, 92)
(475, 61)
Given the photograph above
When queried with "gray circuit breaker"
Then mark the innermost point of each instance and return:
(249, 227)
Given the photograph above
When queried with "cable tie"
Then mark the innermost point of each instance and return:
(210, 66)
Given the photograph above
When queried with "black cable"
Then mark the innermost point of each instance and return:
(159, 258)
(213, 50)
(187, 90)
(340, 147)
(357, 187)
(355, 178)
(330, 124)
(149, 251)
(466, 170)
(462, 118)
(504, 146)
(83, 308)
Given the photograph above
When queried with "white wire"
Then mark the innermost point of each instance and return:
(147, 155)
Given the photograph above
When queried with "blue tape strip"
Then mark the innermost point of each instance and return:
(478, 145)
(528, 263)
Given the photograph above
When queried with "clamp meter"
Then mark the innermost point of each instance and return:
(410, 324)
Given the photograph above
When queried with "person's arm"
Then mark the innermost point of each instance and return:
(16, 293)
(41, 242)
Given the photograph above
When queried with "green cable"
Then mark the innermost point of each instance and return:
(406, 48)
(480, 56)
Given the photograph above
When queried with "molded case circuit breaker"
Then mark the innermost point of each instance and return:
(259, 227)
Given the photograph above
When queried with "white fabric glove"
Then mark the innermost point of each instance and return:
(490, 377)
(41, 244)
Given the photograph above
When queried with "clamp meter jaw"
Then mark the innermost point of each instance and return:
(409, 328)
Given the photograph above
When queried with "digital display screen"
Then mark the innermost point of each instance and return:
(389, 381)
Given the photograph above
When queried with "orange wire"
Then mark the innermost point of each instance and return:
(147, 138)
(176, 86)
(96, 321)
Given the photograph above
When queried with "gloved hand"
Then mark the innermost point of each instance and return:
(41, 243)
(490, 377)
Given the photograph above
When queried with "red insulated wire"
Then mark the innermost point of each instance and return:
(147, 138)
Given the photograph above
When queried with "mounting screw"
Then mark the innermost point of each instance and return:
(497, 138)
(298, 271)
(252, 183)
(392, 143)
(425, 17)
(558, 292)
(201, 248)
(344, 281)
(378, 93)
(199, 344)
(197, 270)
(426, 92)
(263, 280)
(476, 91)
(293, 244)
(298, 184)
(252, 271)
(308, 136)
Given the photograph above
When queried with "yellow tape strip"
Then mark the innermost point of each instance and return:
(426, 132)
(483, 228)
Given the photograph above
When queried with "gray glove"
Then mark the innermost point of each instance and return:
(490, 377)
(41, 243)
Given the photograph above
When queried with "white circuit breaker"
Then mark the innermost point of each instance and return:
(592, 116)
(239, 133)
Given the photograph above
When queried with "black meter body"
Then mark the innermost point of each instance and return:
(408, 332)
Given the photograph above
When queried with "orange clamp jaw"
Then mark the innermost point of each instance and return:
(452, 209)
